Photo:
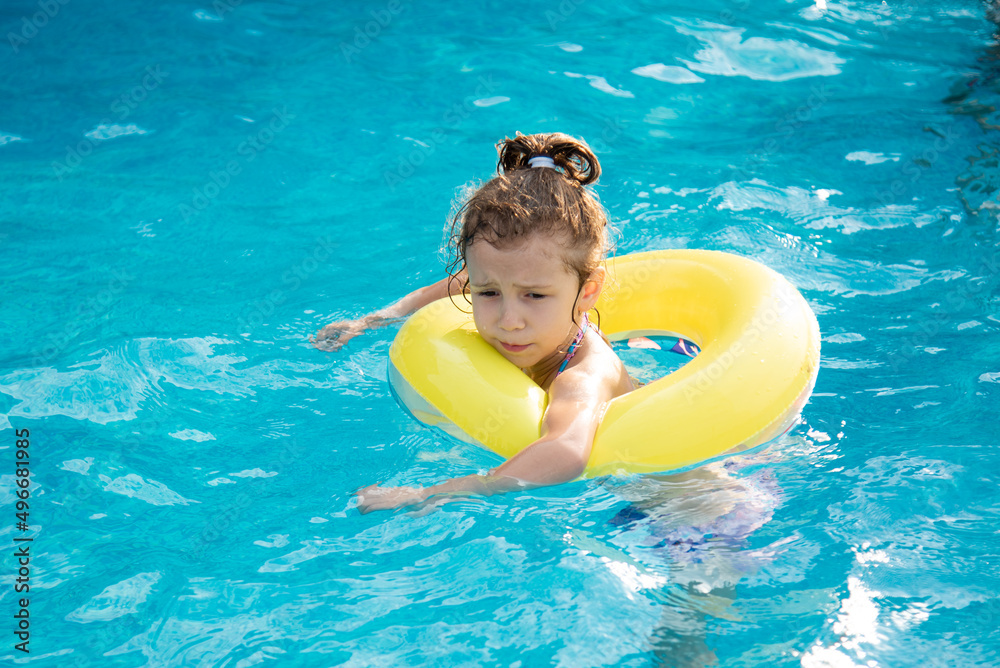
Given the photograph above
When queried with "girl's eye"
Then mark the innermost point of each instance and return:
(535, 295)
(487, 293)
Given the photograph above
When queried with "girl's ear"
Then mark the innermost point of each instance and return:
(591, 289)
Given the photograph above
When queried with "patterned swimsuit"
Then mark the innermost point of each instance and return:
(573, 346)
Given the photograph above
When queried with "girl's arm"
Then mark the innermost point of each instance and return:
(559, 455)
(336, 334)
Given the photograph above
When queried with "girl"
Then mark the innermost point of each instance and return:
(529, 245)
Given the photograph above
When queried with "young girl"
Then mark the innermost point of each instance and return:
(529, 247)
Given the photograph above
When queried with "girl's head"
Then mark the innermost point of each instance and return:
(523, 201)
(532, 239)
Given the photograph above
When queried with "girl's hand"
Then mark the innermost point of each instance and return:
(333, 337)
(336, 334)
(374, 497)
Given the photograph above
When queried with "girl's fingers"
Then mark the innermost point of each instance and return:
(329, 332)
(327, 345)
(336, 334)
(374, 497)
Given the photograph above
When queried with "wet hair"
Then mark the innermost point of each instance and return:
(522, 201)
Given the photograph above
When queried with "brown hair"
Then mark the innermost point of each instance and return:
(521, 201)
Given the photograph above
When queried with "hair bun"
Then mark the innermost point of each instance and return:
(570, 154)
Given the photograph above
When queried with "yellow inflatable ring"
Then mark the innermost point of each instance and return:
(759, 357)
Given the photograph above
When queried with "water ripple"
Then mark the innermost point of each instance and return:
(810, 208)
(726, 53)
(115, 383)
(668, 73)
(117, 600)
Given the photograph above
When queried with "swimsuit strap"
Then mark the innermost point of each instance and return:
(573, 346)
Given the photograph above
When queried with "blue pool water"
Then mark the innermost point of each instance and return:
(188, 190)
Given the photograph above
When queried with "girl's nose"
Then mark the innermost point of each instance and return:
(510, 318)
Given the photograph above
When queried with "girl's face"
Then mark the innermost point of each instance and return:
(523, 298)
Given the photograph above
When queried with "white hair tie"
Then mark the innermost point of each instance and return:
(542, 161)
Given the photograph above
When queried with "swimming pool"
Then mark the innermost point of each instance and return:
(190, 189)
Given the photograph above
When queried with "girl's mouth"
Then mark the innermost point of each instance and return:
(511, 348)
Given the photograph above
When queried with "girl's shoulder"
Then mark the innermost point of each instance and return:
(598, 369)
